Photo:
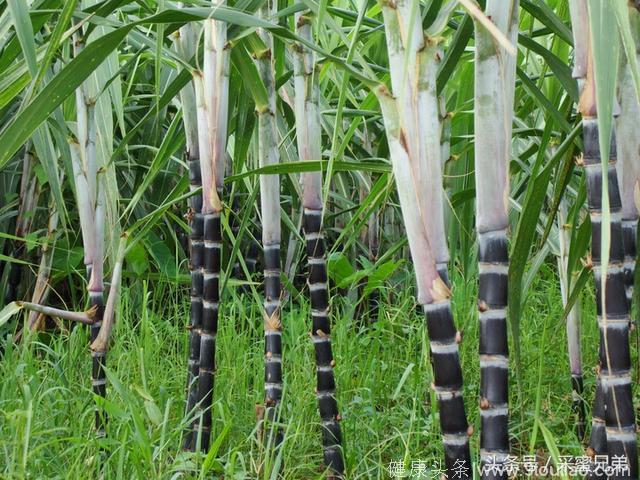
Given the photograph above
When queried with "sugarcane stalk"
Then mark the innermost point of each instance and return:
(212, 99)
(572, 326)
(494, 97)
(413, 134)
(186, 43)
(628, 148)
(42, 288)
(271, 237)
(29, 194)
(614, 397)
(309, 141)
(101, 342)
(96, 299)
(581, 38)
(87, 318)
(433, 294)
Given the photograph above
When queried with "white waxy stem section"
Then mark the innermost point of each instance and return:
(455, 439)
(430, 163)
(492, 456)
(494, 361)
(423, 258)
(615, 380)
(494, 96)
(580, 28)
(614, 322)
(314, 236)
(443, 348)
(325, 394)
(495, 268)
(621, 435)
(596, 216)
(436, 306)
(272, 304)
(491, 314)
(613, 268)
(210, 198)
(206, 304)
(496, 411)
(627, 138)
(314, 287)
(446, 394)
(318, 339)
(308, 129)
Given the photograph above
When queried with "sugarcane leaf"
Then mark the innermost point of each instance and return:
(545, 14)
(454, 52)
(54, 41)
(250, 76)
(560, 69)
(210, 459)
(172, 140)
(24, 31)
(137, 259)
(60, 87)
(605, 50)
(9, 311)
(578, 287)
(622, 12)
(339, 267)
(380, 274)
(542, 100)
(312, 166)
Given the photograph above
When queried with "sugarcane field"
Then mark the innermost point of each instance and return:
(345, 239)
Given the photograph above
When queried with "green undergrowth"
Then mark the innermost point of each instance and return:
(383, 375)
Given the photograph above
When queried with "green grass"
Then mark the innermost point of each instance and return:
(383, 375)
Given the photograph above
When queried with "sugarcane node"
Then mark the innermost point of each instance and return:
(484, 403)
(482, 306)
